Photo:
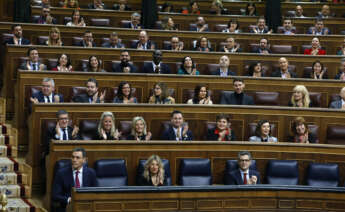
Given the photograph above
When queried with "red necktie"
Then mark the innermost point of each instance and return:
(244, 178)
(77, 183)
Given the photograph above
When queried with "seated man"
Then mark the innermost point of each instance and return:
(339, 104)
(231, 46)
(41, 3)
(47, 94)
(201, 25)
(122, 6)
(143, 43)
(125, 65)
(175, 44)
(325, 12)
(288, 27)
(17, 38)
(45, 17)
(157, 66)
(91, 95)
(263, 47)
(341, 74)
(87, 40)
(299, 12)
(135, 21)
(33, 63)
(319, 28)
(78, 176)
(97, 5)
(224, 71)
(178, 130)
(261, 27)
(114, 42)
(283, 70)
(238, 97)
(244, 175)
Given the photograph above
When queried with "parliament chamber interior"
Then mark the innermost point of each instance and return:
(172, 105)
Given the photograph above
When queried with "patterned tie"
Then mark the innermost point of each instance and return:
(245, 179)
(77, 183)
(178, 134)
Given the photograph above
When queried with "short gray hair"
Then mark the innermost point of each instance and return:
(47, 79)
(245, 152)
(135, 14)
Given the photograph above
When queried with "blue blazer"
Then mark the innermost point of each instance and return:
(236, 178)
(217, 73)
(336, 104)
(170, 135)
(164, 68)
(24, 41)
(63, 183)
(83, 98)
(40, 97)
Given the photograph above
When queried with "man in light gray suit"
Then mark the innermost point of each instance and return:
(339, 104)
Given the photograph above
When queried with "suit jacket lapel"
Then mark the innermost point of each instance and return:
(239, 177)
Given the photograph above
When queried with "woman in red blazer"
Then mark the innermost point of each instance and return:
(315, 48)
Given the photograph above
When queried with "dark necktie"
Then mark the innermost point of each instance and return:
(245, 179)
(48, 99)
(34, 66)
(77, 183)
(64, 135)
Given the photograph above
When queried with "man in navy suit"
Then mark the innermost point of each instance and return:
(45, 17)
(92, 94)
(175, 44)
(224, 71)
(263, 47)
(124, 66)
(261, 27)
(339, 104)
(283, 70)
(135, 21)
(244, 175)
(17, 38)
(319, 28)
(33, 63)
(143, 43)
(178, 130)
(114, 42)
(156, 66)
(47, 95)
(238, 97)
(78, 176)
(87, 40)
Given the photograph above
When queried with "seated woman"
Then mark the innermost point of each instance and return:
(317, 71)
(194, 8)
(301, 132)
(139, 131)
(200, 96)
(71, 4)
(222, 132)
(263, 132)
(233, 27)
(202, 45)
(154, 174)
(168, 24)
(315, 48)
(76, 19)
(106, 127)
(188, 67)
(63, 64)
(54, 38)
(251, 9)
(300, 97)
(341, 51)
(161, 95)
(94, 65)
(124, 94)
(255, 70)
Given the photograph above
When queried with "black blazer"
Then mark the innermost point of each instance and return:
(83, 98)
(236, 178)
(142, 181)
(259, 50)
(277, 73)
(170, 135)
(109, 45)
(217, 73)
(129, 25)
(51, 135)
(164, 68)
(82, 43)
(338, 75)
(211, 136)
(149, 44)
(40, 97)
(230, 99)
(97, 136)
(131, 137)
(63, 182)
(24, 41)
(119, 68)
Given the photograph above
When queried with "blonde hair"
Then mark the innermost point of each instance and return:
(54, 43)
(134, 122)
(305, 97)
(76, 3)
(147, 173)
(100, 124)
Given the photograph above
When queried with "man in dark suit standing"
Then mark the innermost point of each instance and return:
(87, 40)
(339, 104)
(156, 66)
(33, 63)
(47, 95)
(244, 175)
(124, 66)
(178, 130)
(237, 97)
(91, 95)
(78, 176)
(17, 38)
(114, 42)
(143, 43)
(224, 71)
(283, 70)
